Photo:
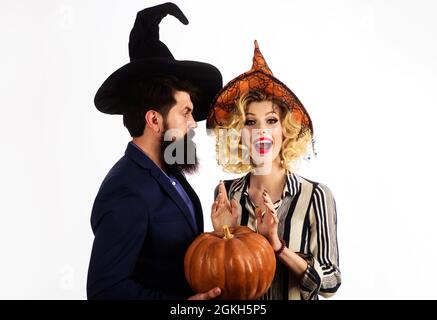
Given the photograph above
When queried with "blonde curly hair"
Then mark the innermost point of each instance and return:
(234, 156)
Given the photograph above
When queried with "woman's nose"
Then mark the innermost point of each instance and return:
(262, 128)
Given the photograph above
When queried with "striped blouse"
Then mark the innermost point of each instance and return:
(308, 225)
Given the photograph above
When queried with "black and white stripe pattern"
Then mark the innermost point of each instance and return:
(308, 224)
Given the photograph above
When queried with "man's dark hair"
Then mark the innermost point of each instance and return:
(142, 95)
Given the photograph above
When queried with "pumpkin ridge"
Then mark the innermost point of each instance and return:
(196, 268)
(214, 263)
(227, 273)
(256, 258)
(254, 264)
(265, 251)
(237, 265)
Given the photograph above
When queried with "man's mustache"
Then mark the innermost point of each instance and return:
(171, 135)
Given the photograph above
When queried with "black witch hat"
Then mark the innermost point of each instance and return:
(149, 58)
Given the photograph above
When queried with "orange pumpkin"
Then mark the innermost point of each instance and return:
(239, 261)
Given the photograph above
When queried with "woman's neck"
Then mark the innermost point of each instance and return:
(272, 180)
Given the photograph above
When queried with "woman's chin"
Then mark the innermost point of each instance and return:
(262, 160)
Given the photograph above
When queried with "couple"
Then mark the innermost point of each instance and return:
(146, 214)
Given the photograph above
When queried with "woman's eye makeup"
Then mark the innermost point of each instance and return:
(272, 120)
(250, 122)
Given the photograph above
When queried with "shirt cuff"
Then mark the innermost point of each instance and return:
(310, 282)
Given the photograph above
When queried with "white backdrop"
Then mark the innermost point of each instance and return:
(366, 71)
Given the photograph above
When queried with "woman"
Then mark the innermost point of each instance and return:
(262, 128)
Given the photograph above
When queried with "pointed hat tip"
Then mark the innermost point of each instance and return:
(259, 63)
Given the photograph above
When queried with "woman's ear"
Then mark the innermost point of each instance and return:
(154, 121)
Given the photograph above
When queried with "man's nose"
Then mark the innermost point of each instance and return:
(192, 124)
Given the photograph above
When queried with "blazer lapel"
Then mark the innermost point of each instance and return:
(174, 195)
(137, 155)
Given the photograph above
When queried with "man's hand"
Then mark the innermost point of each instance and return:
(223, 211)
(211, 294)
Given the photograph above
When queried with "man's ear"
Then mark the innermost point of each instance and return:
(154, 121)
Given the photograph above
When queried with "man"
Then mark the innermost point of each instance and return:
(146, 214)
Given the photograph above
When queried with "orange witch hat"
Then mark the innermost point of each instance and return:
(259, 78)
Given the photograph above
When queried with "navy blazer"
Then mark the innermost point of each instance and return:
(142, 229)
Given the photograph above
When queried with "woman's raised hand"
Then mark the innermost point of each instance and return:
(223, 211)
(266, 220)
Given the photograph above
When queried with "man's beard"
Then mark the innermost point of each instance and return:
(181, 153)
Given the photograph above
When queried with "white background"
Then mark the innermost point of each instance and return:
(365, 70)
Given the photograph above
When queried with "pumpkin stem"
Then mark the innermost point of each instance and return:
(228, 234)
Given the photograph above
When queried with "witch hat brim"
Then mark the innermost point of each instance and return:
(204, 76)
(151, 58)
